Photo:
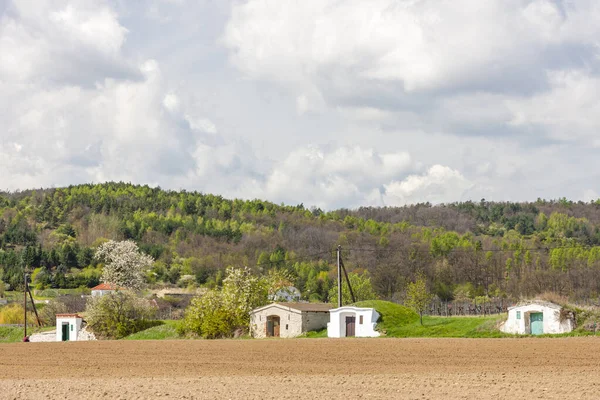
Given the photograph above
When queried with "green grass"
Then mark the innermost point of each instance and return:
(315, 334)
(457, 327)
(12, 334)
(399, 321)
(392, 314)
(166, 330)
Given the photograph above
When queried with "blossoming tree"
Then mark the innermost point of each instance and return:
(124, 264)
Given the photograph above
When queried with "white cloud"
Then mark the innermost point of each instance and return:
(423, 45)
(567, 111)
(331, 103)
(438, 185)
(354, 176)
(61, 41)
(202, 124)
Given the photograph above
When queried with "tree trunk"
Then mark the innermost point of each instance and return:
(421, 315)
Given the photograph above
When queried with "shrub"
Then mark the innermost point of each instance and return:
(59, 305)
(209, 316)
(119, 314)
(219, 313)
(13, 314)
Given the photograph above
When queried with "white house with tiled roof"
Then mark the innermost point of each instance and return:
(288, 319)
(104, 288)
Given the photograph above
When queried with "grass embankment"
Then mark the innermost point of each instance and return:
(12, 334)
(165, 331)
(399, 321)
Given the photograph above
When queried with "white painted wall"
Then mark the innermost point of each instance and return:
(74, 327)
(101, 292)
(521, 326)
(337, 322)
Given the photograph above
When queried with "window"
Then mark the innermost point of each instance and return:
(360, 319)
(71, 328)
(518, 314)
(286, 327)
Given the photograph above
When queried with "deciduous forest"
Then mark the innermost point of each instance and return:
(468, 249)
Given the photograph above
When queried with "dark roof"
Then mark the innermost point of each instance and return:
(315, 307)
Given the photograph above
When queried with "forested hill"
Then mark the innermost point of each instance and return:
(467, 249)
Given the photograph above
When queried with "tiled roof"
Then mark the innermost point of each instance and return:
(69, 315)
(104, 286)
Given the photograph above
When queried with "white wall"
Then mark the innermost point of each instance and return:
(521, 326)
(101, 292)
(337, 322)
(74, 327)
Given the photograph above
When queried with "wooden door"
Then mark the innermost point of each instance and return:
(536, 321)
(273, 326)
(350, 326)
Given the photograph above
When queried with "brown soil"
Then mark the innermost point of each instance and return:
(566, 368)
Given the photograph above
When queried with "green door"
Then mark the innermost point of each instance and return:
(65, 332)
(537, 323)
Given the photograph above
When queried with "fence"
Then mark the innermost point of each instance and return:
(489, 307)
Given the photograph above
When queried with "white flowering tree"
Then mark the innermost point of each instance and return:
(124, 264)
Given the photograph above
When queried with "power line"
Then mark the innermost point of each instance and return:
(587, 247)
(295, 259)
(454, 250)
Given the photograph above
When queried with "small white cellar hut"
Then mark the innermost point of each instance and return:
(538, 317)
(350, 321)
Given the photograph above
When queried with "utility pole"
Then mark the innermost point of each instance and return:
(339, 275)
(25, 304)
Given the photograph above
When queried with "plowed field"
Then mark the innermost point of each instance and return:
(566, 368)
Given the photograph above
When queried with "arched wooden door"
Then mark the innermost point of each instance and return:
(273, 322)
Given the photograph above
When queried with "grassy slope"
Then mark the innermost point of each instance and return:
(167, 330)
(11, 334)
(399, 321)
(468, 327)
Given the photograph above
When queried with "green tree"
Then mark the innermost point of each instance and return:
(361, 286)
(69, 256)
(417, 296)
(219, 313)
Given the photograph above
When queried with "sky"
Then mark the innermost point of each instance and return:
(328, 103)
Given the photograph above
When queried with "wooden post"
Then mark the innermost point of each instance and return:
(339, 275)
(25, 305)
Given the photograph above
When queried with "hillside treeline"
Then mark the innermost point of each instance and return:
(464, 249)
